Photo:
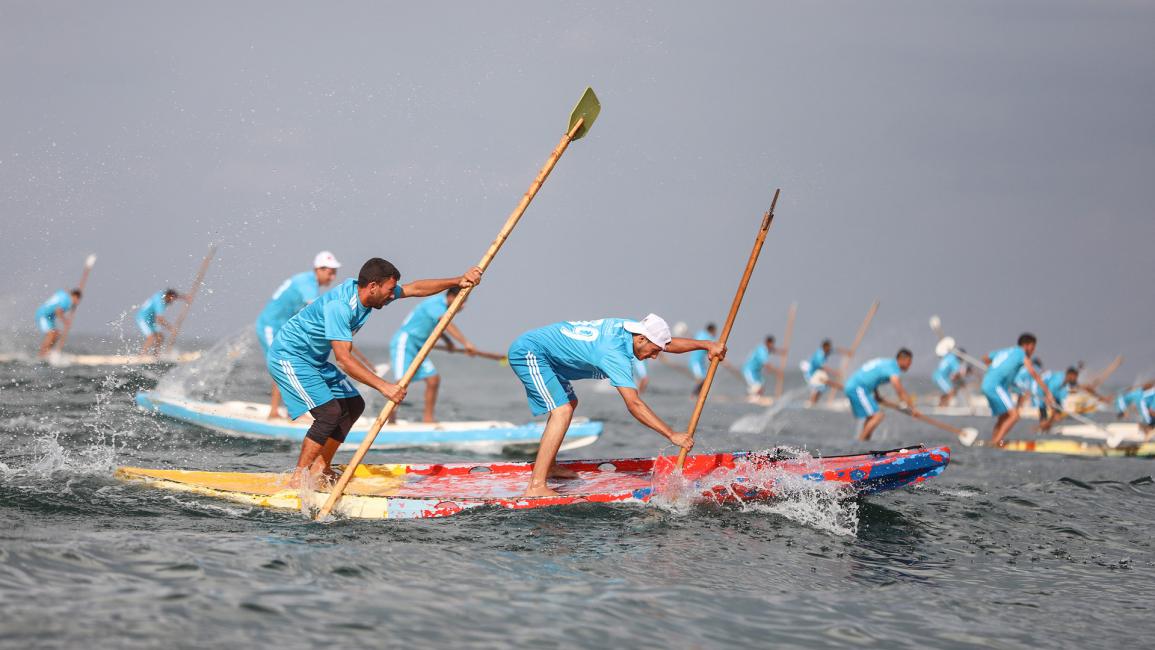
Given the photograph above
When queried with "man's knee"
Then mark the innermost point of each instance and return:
(326, 421)
(433, 381)
(354, 407)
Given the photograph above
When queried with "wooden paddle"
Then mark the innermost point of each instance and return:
(580, 121)
(477, 353)
(1106, 374)
(767, 219)
(861, 334)
(192, 293)
(89, 262)
(780, 380)
(966, 435)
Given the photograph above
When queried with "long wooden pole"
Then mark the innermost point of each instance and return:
(477, 353)
(88, 264)
(454, 307)
(1102, 377)
(192, 293)
(767, 219)
(861, 334)
(780, 380)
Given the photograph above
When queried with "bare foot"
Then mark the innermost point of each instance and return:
(543, 491)
(561, 472)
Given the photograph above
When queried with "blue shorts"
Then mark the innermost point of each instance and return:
(403, 350)
(862, 402)
(46, 323)
(943, 384)
(698, 367)
(753, 378)
(1145, 414)
(544, 389)
(147, 327)
(999, 399)
(817, 388)
(304, 386)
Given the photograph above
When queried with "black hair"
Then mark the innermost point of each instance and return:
(172, 292)
(377, 270)
(453, 291)
(769, 338)
(1072, 370)
(77, 293)
(826, 342)
(1026, 338)
(711, 326)
(903, 352)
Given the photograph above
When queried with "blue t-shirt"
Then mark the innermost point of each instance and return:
(1005, 364)
(757, 359)
(1125, 400)
(335, 316)
(698, 357)
(421, 321)
(948, 367)
(289, 298)
(872, 373)
(1024, 382)
(1057, 383)
(817, 360)
(61, 300)
(588, 349)
(152, 308)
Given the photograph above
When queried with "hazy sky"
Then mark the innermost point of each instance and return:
(988, 161)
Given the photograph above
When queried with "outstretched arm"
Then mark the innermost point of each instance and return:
(349, 364)
(680, 346)
(1039, 380)
(902, 394)
(420, 288)
(455, 332)
(646, 416)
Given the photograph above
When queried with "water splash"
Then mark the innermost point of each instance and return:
(207, 377)
(772, 488)
(758, 422)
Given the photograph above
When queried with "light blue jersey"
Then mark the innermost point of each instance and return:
(1057, 383)
(1024, 383)
(46, 313)
(817, 362)
(414, 331)
(945, 372)
(697, 360)
(640, 370)
(752, 369)
(1125, 401)
(1005, 364)
(292, 296)
(299, 357)
(860, 389)
(548, 358)
(148, 312)
(1146, 406)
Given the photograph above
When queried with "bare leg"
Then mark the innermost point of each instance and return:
(310, 453)
(50, 338)
(1003, 426)
(870, 425)
(432, 384)
(275, 403)
(551, 438)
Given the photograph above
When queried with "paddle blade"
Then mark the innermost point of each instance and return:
(944, 347)
(968, 436)
(90, 261)
(588, 107)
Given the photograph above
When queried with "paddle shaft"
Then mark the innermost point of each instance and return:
(454, 307)
(196, 285)
(88, 264)
(861, 334)
(477, 353)
(780, 384)
(918, 416)
(1107, 372)
(767, 219)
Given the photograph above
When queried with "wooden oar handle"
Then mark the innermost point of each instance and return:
(767, 219)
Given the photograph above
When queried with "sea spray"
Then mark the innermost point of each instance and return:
(779, 484)
(207, 377)
(758, 422)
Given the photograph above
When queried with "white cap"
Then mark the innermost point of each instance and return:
(653, 327)
(326, 260)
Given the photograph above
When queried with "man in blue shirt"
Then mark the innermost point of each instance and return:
(150, 321)
(1002, 367)
(755, 364)
(298, 359)
(52, 314)
(292, 296)
(1125, 400)
(547, 359)
(414, 331)
(949, 376)
(1060, 386)
(1146, 406)
(814, 370)
(697, 360)
(862, 389)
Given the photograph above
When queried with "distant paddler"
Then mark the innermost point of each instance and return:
(292, 296)
(1060, 385)
(862, 389)
(150, 320)
(1003, 366)
(53, 314)
(298, 359)
(949, 376)
(756, 364)
(815, 373)
(1147, 412)
(1127, 400)
(415, 329)
(697, 360)
(547, 359)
